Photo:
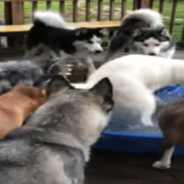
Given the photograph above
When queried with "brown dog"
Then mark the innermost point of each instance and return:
(171, 122)
(17, 105)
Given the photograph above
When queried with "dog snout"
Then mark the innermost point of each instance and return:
(97, 51)
(152, 54)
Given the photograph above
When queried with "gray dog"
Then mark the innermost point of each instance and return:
(30, 72)
(13, 72)
(54, 145)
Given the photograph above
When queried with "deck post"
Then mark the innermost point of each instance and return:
(8, 19)
(17, 13)
(143, 4)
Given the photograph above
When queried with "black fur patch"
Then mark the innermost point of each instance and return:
(151, 33)
(124, 35)
(58, 38)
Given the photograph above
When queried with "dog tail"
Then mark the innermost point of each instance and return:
(143, 18)
(149, 17)
(49, 18)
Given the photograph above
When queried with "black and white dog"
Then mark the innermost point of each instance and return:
(50, 32)
(142, 32)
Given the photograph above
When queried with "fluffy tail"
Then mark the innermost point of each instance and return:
(143, 18)
(149, 17)
(49, 18)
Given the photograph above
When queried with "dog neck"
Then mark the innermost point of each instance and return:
(51, 137)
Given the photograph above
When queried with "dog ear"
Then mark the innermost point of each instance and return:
(103, 88)
(58, 82)
(164, 32)
(80, 31)
(137, 32)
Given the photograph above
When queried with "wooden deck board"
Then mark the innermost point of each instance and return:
(108, 167)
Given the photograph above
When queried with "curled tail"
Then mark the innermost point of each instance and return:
(148, 17)
(143, 18)
(49, 18)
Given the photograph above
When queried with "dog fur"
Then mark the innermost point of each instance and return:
(142, 32)
(52, 33)
(13, 72)
(17, 105)
(54, 145)
(171, 122)
(135, 78)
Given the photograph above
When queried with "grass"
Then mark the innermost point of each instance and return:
(178, 26)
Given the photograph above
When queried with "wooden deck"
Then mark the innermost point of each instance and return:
(118, 168)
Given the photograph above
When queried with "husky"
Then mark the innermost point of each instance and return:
(135, 78)
(54, 144)
(142, 32)
(50, 31)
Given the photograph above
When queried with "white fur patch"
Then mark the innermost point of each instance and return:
(50, 18)
(152, 46)
(135, 78)
(95, 45)
(152, 18)
(165, 162)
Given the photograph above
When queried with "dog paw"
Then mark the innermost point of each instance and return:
(148, 123)
(161, 165)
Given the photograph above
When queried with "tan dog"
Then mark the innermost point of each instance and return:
(171, 122)
(17, 105)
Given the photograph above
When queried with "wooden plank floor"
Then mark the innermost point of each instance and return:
(117, 168)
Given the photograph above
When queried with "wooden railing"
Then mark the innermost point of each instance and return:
(14, 10)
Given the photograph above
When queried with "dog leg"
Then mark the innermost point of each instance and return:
(146, 118)
(142, 101)
(165, 161)
(148, 110)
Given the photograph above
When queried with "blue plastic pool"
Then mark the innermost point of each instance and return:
(141, 139)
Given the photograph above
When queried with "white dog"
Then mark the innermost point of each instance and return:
(135, 78)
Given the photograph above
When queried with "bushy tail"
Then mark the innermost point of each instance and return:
(150, 17)
(143, 18)
(49, 18)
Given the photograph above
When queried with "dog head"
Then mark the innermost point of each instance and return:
(151, 41)
(91, 39)
(37, 96)
(82, 114)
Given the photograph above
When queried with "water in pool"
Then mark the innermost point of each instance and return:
(131, 122)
